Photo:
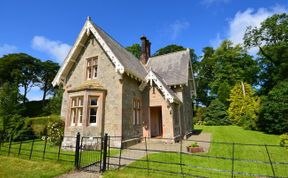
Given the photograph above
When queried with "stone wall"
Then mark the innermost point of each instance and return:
(112, 99)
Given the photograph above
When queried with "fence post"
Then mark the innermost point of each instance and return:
(147, 159)
(31, 150)
(77, 151)
(59, 149)
(181, 169)
(19, 151)
(233, 157)
(44, 151)
(104, 152)
(270, 160)
(10, 143)
(119, 164)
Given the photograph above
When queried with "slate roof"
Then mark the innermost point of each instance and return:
(172, 67)
(129, 61)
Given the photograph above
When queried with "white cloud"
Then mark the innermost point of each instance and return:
(242, 19)
(7, 49)
(216, 41)
(55, 49)
(177, 28)
(249, 17)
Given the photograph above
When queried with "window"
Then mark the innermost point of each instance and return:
(76, 110)
(93, 106)
(92, 67)
(136, 112)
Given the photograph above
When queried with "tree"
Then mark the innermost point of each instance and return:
(271, 38)
(216, 114)
(54, 105)
(135, 49)
(169, 49)
(244, 106)
(230, 65)
(47, 72)
(20, 68)
(204, 76)
(274, 111)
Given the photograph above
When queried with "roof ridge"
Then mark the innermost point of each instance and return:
(184, 50)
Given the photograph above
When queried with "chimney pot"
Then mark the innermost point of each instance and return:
(145, 49)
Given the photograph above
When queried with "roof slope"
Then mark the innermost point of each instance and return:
(123, 60)
(172, 67)
(129, 61)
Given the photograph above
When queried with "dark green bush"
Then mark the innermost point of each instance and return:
(216, 114)
(39, 124)
(274, 111)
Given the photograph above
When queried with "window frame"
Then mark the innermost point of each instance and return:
(136, 112)
(75, 107)
(89, 107)
(92, 68)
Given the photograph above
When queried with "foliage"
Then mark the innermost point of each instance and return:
(39, 125)
(274, 111)
(195, 144)
(56, 131)
(48, 70)
(272, 40)
(284, 140)
(244, 106)
(54, 104)
(199, 115)
(230, 65)
(216, 114)
(169, 49)
(35, 108)
(135, 49)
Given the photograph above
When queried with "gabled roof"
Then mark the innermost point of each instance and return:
(172, 67)
(161, 85)
(123, 60)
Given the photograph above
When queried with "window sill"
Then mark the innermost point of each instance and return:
(92, 124)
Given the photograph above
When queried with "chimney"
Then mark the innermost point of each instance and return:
(145, 49)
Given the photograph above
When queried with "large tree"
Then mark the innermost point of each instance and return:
(230, 65)
(47, 72)
(135, 49)
(169, 49)
(271, 38)
(274, 111)
(22, 69)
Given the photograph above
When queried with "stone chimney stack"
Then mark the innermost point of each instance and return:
(145, 50)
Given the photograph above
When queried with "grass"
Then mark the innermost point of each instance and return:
(14, 167)
(209, 167)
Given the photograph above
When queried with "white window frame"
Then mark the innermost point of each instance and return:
(92, 68)
(76, 106)
(93, 106)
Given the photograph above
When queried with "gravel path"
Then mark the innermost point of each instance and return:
(80, 174)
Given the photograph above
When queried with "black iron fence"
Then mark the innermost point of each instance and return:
(157, 156)
(215, 159)
(38, 148)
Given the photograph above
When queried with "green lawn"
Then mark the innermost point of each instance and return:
(11, 167)
(210, 167)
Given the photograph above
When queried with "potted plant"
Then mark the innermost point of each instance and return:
(194, 148)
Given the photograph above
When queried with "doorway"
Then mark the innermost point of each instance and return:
(156, 121)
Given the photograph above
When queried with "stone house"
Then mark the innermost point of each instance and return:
(109, 90)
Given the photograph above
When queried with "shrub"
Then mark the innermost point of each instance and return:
(39, 124)
(199, 116)
(56, 131)
(216, 114)
(244, 106)
(284, 140)
(274, 111)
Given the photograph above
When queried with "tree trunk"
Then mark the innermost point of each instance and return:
(243, 89)
(44, 92)
(25, 94)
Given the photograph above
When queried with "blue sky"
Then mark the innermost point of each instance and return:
(47, 29)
